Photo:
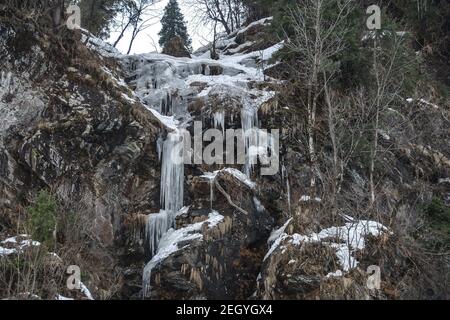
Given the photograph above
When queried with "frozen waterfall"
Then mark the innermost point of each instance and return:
(172, 190)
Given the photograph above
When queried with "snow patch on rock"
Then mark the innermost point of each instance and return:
(345, 240)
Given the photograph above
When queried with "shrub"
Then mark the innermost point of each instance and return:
(438, 216)
(42, 218)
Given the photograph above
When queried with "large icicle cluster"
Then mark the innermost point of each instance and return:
(172, 190)
(172, 172)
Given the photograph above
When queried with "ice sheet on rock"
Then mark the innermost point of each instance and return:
(259, 206)
(160, 81)
(429, 104)
(306, 198)
(84, 290)
(384, 134)
(240, 47)
(223, 86)
(336, 274)
(276, 238)
(275, 245)
(264, 22)
(63, 298)
(224, 41)
(169, 122)
(6, 251)
(240, 176)
(278, 232)
(344, 255)
(234, 172)
(239, 61)
(96, 44)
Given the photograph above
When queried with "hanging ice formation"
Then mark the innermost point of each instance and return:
(157, 225)
(172, 172)
(259, 144)
(219, 121)
(159, 147)
(172, 189)
(172, 193)
(211, 176)
(285, 176)
(249, 123)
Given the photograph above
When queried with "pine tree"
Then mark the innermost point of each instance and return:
(173, 26)
(97, 15)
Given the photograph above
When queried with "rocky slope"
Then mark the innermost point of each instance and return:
(99, 131)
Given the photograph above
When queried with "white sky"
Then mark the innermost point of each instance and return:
(148, 39)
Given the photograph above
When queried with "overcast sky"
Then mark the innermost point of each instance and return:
(146, 41)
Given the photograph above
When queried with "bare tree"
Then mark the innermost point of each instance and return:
(386, 89)
(136, 15)
(316, 39)
(125, 19)
(228, 13)
(214, 54)
(154, 43)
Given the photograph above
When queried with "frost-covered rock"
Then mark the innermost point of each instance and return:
(320, 259)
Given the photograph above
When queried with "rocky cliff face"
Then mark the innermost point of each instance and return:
(78, 135)
(97, 130)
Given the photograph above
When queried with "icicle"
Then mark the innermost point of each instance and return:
(146, 279)
(159, 147)
(285, 176)
(288, 188)
(5, 80)
(211, 193)
(249, 118)
(172, 172)
(157, 226)
(162, 108)
(211, 176)
(219, 121)
(259, 206)
(249, 123)
(168, 105)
